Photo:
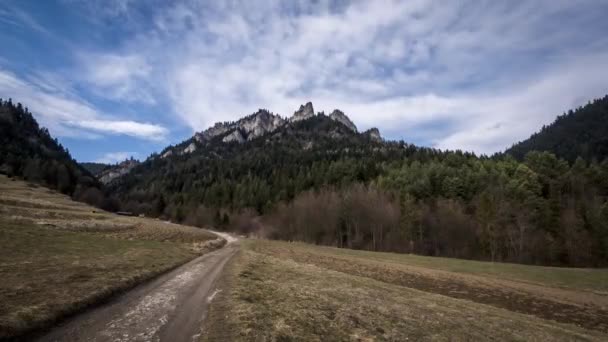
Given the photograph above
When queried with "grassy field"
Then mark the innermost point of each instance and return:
(58, 256)
(279, 291)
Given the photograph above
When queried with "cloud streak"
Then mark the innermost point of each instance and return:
(65, 115)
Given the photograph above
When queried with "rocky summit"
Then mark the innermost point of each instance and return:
(262, 123)
(374, 134)
(305, 112)
(338, 115)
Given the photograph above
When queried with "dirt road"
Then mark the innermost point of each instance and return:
(170, 308)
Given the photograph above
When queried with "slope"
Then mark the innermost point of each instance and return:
(579, 133)
(254, 163)
(29, 151)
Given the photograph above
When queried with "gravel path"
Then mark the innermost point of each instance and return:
(170, 308)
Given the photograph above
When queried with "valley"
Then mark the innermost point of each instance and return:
(277, 171)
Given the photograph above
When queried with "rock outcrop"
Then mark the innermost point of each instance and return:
(338, 115)
(262, 123)
(305, 112)
(191, 148)
(234, 136)
(218, 129)
(259, 124)
(374, 134)
(113, 172)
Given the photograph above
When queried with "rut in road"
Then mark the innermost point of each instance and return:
(170, 308)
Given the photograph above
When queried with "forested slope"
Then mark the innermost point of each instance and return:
(582, 132)
(318, 181)
(28, 151)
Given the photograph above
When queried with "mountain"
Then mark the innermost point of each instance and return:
(255, 162)
(94, 168)
(28, 151)
(254, 126)
(579, 133)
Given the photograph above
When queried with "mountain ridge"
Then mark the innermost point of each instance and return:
(255, 125)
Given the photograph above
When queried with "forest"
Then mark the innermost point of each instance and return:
(542, 211)
(388, 196)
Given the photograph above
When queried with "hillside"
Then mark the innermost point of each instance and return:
(255, 162)
(94, 168)
(315, 178)
(582, 132)
(28, 151)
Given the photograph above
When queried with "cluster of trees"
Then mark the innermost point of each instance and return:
(28, 151)
(541, 211)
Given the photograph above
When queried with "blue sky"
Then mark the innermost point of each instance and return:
(114, 78)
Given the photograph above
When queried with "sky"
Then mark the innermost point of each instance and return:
(119, 78)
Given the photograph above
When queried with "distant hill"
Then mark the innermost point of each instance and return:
(95, 168)
(582, 132)
(28, 151)
(107, 173)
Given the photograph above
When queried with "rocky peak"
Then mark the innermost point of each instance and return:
(218, 129)
(260, 123)
(374, 134)
(236, 135)
(338, 115)
(190, 148)
(305, 112)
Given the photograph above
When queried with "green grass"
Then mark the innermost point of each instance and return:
(277, 291)
(47, 274)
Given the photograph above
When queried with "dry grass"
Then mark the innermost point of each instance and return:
(587, 279)
(278, 291)
(58, 256)
(20, 201)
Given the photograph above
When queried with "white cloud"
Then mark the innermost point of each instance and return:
(132, 128)
(66, 115)
(115, 157)
(119, 77)
(473, 75)
(492, 72)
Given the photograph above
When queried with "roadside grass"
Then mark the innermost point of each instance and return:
(58, 256)
(273, 295)
(47, 274)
